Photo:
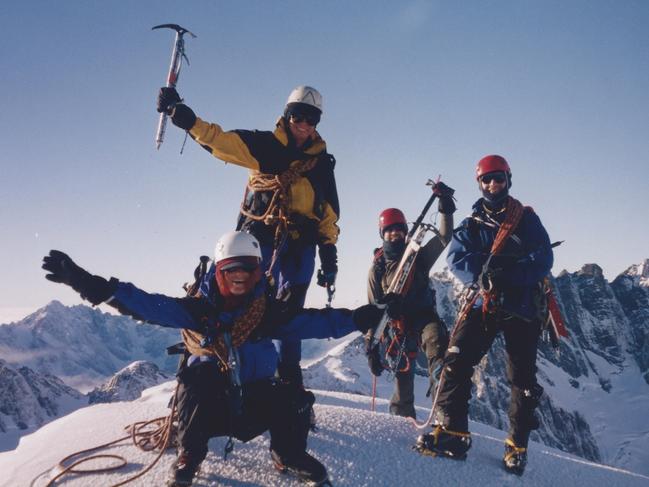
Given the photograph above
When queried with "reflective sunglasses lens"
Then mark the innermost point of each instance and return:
(498, 178)
(305, 117)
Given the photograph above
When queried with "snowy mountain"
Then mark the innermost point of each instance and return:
(128, 383)
(29, 400)
(359, 448)
(632, 291)
(83, 346)
(597, 390)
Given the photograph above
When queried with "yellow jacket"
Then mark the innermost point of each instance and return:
(313, 197)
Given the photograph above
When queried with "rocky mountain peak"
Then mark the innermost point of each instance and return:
(639, 271)
(592, 270)
(30, 399)
(128, 383)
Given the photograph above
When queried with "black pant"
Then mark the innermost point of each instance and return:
(204, 411)
(434, 340)
(469, 343)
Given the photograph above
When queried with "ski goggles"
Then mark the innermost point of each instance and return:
(497, 177)
(309, 119)
(300, 112)
(232, 264)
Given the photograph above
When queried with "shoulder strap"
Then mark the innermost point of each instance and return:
(515, 212)
(379, 263)
(378, 254)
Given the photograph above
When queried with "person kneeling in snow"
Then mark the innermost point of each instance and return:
(226, 379)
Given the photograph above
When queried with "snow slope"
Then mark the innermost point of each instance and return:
(358, 447)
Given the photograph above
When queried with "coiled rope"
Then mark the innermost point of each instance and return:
(277, 211)
(146, 435)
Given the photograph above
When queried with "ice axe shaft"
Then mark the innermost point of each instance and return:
(177, 56)
(427, 206)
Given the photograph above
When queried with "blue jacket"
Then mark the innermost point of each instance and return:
(258, 357)
(526, 259)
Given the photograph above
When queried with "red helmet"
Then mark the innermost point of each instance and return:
(391, 216)
(492, 163)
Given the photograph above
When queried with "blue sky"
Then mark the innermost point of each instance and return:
(411, 90)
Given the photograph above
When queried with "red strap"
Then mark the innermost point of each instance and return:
(514, 213)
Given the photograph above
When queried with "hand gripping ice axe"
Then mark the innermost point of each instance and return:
(177, 56)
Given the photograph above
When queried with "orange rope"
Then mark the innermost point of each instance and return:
(150, 440)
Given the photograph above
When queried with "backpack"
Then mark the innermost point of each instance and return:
(192, 290)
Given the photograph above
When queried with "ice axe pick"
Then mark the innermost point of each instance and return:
(177, 56)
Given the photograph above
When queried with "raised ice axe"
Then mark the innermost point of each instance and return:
(177, 56)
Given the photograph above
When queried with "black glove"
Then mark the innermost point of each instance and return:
(169, 102)
(367, 317)
(62, 269)
(394, 305)
(328, 265)
(168, 98)
(444, 193)
(374, 361)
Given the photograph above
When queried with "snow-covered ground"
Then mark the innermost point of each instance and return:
(359, 448)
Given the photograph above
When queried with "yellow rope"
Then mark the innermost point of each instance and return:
(277, 212)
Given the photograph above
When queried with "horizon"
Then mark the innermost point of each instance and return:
(9, 315)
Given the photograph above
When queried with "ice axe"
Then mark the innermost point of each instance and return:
(177, 56)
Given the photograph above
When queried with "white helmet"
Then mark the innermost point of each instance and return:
(307, 95)
(236, 244)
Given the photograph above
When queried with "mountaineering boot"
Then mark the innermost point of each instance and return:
(515, 458)
(303, 466)
(183, 471)
(443, 442)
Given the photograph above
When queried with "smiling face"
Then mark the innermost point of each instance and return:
(238, 281)
(494, 185)
(300, 129)
(238, 276)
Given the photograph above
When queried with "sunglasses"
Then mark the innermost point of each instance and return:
(301, 117)
(498, 178)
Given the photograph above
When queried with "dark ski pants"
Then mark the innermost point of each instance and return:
(204, 411)
(469, 343)
(434, 340)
